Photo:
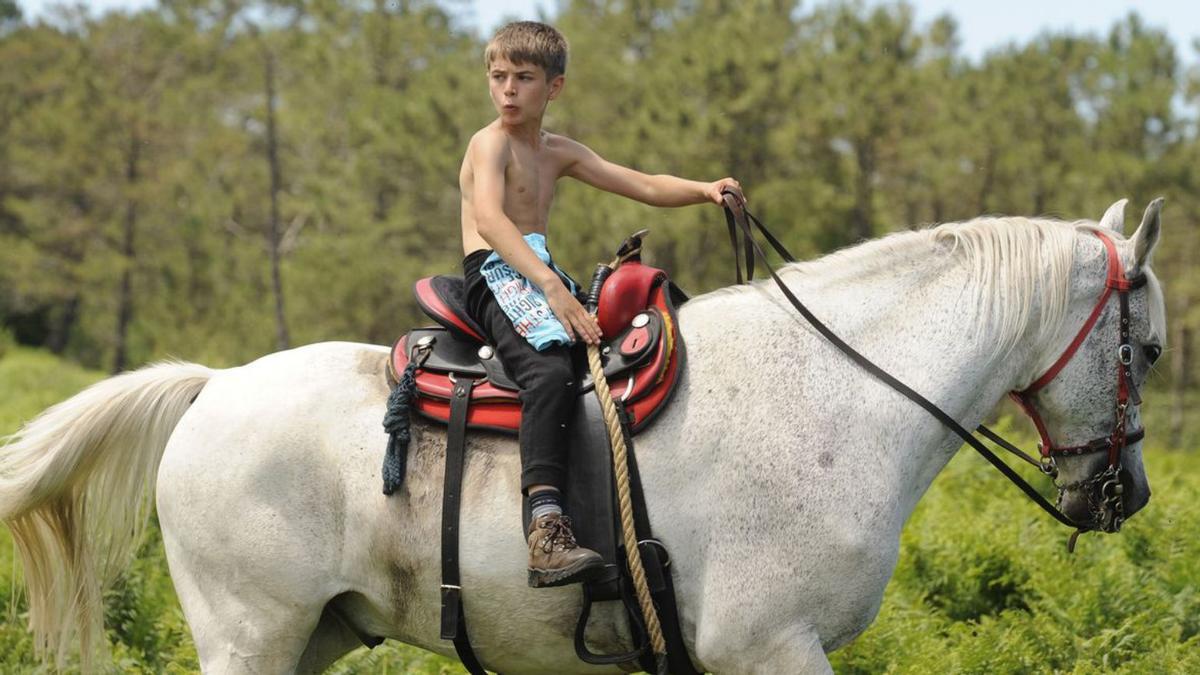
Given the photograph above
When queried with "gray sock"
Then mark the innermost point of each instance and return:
(545, 502)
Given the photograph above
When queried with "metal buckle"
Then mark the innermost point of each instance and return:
(1048, 466)
(1125, 354)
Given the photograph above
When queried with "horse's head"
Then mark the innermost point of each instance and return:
(1086, 402)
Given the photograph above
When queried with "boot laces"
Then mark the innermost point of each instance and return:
(558, 535)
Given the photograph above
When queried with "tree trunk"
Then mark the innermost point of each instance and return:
(64, 323)
(125, 289)
(382, 54)
(989, 177)
(864, 154)
(282, 340)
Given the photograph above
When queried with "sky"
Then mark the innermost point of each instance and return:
(983, 24)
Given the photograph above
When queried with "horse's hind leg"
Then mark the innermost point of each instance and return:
(252, 603)
(244, 633)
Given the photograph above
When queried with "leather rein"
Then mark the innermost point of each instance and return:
(1109, 510)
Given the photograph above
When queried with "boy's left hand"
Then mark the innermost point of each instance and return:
(715, 188)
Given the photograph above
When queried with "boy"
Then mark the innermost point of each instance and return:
(514, 290)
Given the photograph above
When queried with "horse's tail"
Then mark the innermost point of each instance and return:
(77, 488)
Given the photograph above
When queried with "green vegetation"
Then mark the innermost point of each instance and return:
(136, 159)
(985, 584)
(137, 152)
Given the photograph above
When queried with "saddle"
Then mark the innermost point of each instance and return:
(641, 357)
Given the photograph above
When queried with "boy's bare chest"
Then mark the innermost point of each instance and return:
(529, 180)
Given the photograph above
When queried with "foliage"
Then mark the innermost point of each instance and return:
(985, 584)
(136, 190)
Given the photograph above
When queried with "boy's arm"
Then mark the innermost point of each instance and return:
(488, 159)
(655, 190)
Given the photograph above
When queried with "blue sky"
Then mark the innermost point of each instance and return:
(983, 24)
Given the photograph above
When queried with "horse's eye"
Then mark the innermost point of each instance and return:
(1152, 352)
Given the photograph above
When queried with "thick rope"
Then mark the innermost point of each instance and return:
(621, 469)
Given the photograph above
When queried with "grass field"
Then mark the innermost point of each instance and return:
(984, 583)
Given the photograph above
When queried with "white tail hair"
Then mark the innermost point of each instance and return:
(77, 489)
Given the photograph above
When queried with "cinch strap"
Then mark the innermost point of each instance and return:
(454, 620)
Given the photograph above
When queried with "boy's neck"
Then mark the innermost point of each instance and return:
(530, 132)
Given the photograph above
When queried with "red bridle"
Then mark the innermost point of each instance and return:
(1126, 390)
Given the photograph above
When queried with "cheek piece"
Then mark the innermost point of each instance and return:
(1103, 490)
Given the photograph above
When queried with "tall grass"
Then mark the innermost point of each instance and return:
(984, 583)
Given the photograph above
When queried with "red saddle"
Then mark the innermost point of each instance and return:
(642, 352)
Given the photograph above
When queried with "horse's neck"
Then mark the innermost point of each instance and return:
(916, 321)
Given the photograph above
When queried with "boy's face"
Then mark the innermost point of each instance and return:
(520, 91)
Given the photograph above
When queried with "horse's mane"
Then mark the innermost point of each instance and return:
(1019, 268)
(1010, 260)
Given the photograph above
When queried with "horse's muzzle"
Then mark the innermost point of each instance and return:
(1105, 501)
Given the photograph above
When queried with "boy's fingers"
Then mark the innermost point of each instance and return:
(589, 331)
(586, 331)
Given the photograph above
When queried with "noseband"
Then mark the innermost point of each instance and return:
(1104, 490)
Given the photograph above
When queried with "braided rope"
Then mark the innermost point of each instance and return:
(621, 468)
(396, 424)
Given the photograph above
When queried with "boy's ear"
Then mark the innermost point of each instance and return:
(556, 85)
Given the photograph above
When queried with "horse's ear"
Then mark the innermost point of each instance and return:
(1114, 217)
(1146, 237)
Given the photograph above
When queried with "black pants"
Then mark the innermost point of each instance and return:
(546, 379)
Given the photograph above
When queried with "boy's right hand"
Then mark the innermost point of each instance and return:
(574, 318)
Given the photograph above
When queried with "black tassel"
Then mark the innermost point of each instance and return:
(396, 423)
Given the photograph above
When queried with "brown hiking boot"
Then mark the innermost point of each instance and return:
(554, 557)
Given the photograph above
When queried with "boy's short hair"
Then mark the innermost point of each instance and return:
(529, 42)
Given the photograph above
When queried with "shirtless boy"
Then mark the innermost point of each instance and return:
(507, 182)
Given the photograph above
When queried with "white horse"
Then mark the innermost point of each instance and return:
(779, 478)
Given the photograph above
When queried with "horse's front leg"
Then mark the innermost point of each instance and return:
(792, 649)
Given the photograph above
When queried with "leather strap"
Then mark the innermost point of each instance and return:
(748, 244)
(1126, 390)
(454, 620)
(863, 362)
(657, 562)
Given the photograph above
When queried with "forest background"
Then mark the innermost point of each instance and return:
(215, 180)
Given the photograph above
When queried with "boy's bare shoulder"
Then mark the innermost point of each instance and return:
(488, 142)
(567, 150)
(561, 143)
